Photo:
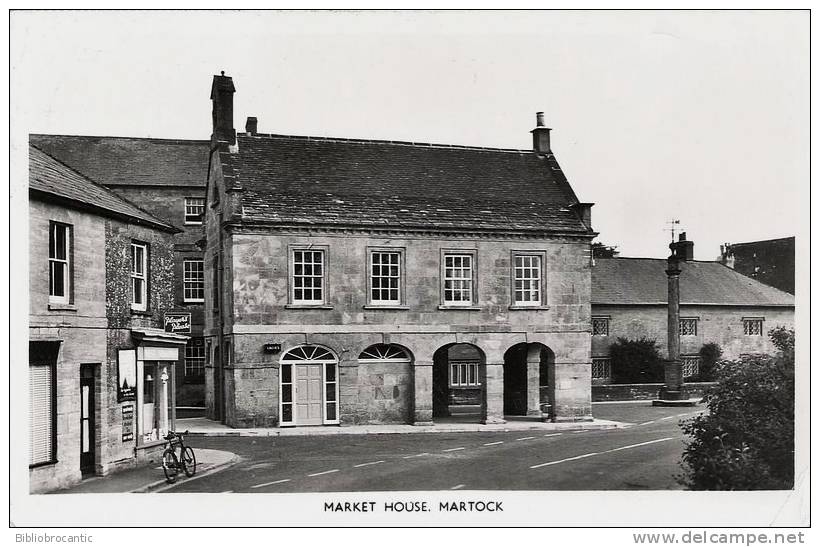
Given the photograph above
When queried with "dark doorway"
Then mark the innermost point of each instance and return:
(521, 395)
(515, 381)
(88, 422)
(458, 378)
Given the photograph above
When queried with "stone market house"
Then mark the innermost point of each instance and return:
(101, 380)
(361, 281)
(717, 304)
(167, 178)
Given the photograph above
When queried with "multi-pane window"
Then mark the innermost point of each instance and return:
(753, 327)
(601, 368)
(41, 414)
(193, 279)
(600, 326)
(690, 364)
(308, 276)
(139, 276)
(464, 374)
(59, 281)
(194, 209)
(458, 279)
(527, 278)
(385, 277)
(195, 358)
(688, 327)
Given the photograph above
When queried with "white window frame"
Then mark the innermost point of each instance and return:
(139, 278)
(459, 372)
(195, 364)
(322, 251)
(747, 321)
(190, 283)
(694, 320)
(445, 278)
(192, 204)
(536, 282)
(53, 261)
(606, 323)
(371, 277)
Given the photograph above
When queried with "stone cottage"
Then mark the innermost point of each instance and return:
(358, 281)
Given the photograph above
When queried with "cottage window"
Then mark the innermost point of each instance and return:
(194, 359)
(193, 277)
(688, 327)
(59, 279)
(194, 210)
(601, 368)
(139, 276)
(308, 277)
(459, 283)
(464, 374)
(385, 277)
(527, 280)
(41, 413)
(600, 326)
(753, 326)
(691, 365)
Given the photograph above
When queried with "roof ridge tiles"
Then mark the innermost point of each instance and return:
(383, 141)
(150, 139)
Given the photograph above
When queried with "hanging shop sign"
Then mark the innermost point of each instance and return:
(126, 375)
(128, 423)
(178, 323)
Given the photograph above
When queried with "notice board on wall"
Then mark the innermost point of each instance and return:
(126, 375)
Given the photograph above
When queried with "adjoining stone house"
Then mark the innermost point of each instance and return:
(101, 380)
(360, 281)
(770, 261)
(167, 178)
(717, 304)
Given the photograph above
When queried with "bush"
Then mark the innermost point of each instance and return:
(709, 356)
(636, 361)
(746, 440)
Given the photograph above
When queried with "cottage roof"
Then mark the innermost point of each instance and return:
(47, 176)
(327, 181)
(644, 281)
(130, 161)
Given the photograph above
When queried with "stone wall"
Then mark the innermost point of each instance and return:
(642, 392)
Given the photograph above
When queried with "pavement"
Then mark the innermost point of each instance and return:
(150, 478)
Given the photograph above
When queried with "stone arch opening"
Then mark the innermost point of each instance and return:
(458, 382)
(529, 380)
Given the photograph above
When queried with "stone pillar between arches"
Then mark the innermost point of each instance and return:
(534, 386)
(492, 398)
(422, 413)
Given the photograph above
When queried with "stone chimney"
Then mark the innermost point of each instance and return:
(541, 136)
(727, 255)
(682, 249)
(584, 212)
(251, 125)
(222, 91)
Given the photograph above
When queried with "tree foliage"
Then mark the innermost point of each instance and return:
(601, 250)
(636, 361)
(709, 356)
(746, 440)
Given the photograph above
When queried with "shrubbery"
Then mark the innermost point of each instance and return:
(635, 361)
(746, 440)
(709, 356)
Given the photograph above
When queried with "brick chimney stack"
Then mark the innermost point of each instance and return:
(222, 91)
(682, 249)
(251, 125)
(541, 136)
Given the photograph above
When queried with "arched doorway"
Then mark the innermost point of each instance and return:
(308, 386)
(458, 382)
(529, 380)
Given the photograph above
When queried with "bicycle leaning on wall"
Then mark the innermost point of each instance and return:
(171, 463)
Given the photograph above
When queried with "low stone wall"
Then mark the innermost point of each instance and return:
(641, 392)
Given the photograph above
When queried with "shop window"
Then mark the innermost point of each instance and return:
(600, 326)
(464, 374)
(59, 266)
(139, 276)
(458, 278)
(42, 414)
(601, 368)
(194, 210)
(195, 360)
(688, 326)
(308, 277)
(193, 279)
(385, 277)
(527, 279)
(154, 379)
(753, 326)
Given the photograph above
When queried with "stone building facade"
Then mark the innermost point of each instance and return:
(717, 304)
(99, 286)
(770, 261)
(167, 178)
(357, 281)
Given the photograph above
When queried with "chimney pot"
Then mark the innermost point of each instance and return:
(540, 136)
(251, 125)
(539, 119)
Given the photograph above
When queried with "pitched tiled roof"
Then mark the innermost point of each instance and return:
(311, 180)
(49, 176)
(130, 161)
(644, 281)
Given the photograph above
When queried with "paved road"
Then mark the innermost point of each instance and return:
(642, 457)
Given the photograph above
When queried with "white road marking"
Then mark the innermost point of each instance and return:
(551, 434)
(457, 487)
(647, 423)
(269, 483)
(368, 463)
(525, 438)
(453, 449)
(323, 473)
(667, 417)
(227, 492)
(496, 442)
(604, 452)
(417, 455)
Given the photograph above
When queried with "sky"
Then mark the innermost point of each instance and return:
(696, 116)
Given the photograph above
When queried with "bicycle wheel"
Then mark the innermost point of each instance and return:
(170, 465)
(188, 461)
